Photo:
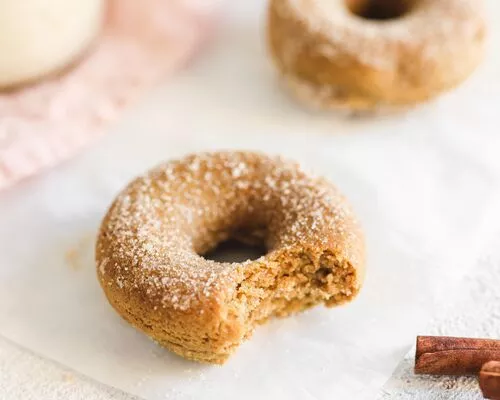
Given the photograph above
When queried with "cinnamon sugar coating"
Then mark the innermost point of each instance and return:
(151, 243)
(331, 58)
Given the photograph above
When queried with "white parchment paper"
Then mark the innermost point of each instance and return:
(424, 184)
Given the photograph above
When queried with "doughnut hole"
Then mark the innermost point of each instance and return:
(234, 250)
(380, 9)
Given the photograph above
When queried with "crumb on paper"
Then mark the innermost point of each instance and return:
(72, 259)
(68, 377)
(76, 256)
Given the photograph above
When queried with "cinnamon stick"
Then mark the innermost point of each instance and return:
(489, 380)
(443, 355)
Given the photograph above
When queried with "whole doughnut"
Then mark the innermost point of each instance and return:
(369, 54)
(150, 248)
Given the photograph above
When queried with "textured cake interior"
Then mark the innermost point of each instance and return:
(286, 281)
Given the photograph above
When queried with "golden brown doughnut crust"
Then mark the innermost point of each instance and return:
(332, 58)
(149, 249)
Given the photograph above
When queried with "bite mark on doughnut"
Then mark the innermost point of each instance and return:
(291, 282)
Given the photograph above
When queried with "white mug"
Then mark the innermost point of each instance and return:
(40, 37)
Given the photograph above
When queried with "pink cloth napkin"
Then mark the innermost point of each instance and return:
(142, 41)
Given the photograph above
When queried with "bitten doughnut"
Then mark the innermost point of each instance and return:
(368, 54)
(38, 37)
(151, 244)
